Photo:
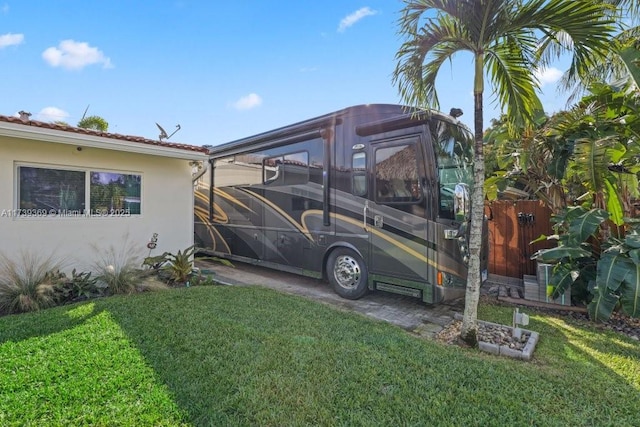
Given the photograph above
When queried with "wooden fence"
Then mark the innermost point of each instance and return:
(513, 226)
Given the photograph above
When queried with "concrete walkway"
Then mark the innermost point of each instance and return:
(406, 312)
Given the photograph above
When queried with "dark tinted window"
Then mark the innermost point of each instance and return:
(396, 172)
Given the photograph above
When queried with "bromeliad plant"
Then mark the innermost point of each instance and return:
(178, 269)
(602, 269)
(179, 266)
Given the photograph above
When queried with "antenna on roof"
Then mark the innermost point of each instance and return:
(163, 133)
(85, 112)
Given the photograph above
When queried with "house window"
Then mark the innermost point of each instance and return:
(112, 192)
(58, 192)
(50, 189)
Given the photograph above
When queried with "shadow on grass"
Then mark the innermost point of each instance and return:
(19, 327)
(250, 356)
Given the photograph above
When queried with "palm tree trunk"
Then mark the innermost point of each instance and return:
(469, 331)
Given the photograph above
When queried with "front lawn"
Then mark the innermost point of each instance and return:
(253, 356)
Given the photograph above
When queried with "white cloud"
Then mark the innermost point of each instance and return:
(52, 114)
(5, 8)
(548, 75)
(248, 102)
(74, 55)
(11, 40)
(356, 16)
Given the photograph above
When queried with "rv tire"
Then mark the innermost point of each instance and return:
(347, 273)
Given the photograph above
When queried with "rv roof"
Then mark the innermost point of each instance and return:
(386, 116)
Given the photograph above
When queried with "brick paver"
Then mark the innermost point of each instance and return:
(406, 312)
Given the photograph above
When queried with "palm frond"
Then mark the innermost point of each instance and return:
(510, 73)
(420, 58)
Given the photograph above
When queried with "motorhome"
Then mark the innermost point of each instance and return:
(371, 197)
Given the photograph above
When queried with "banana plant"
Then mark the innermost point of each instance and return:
(605, 274)
(631, 57)
(575, 257)
(601, 137)
(618, 278)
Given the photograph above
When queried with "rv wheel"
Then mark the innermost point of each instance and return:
(347, 273)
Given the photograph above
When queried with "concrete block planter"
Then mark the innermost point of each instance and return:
(502, 347)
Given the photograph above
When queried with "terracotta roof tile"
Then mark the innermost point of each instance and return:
(130, 138)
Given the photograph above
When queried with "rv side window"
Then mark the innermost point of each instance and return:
(397, 174)
(296, 168)
(290, 169)
(272, 169)
(359, 174)
(243, 169)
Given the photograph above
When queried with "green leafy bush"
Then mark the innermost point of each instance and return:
(603, 270)
(199, 279)
(79, 287)
(179, 266)
(178, 270)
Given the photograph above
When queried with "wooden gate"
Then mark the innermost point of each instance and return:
(513, 226)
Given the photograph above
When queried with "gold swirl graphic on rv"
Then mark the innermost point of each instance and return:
(202, 214)
(218, 214)
(203, 217)
(302, 227)
(380, 234)
(285, 215)
(232, 199)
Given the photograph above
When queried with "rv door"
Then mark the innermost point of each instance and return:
(398, 225)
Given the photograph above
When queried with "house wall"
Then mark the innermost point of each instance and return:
(167, 206)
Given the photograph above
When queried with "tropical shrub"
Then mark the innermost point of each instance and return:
(79, 287)
(602, 269)
(27, 282)
(178, 269)
(618, 278)
(180, 265)
(94, 122)
(199, 279)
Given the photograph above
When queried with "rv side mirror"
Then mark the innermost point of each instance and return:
(461, 202)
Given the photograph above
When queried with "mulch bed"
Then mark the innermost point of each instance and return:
(618, 322)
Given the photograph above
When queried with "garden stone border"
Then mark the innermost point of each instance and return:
(502, 350)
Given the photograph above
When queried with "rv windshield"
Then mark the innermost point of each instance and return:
(453, 146)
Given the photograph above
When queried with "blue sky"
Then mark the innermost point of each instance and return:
(222, 70)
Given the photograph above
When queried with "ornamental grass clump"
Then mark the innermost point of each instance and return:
(119, 267)
(28, 282)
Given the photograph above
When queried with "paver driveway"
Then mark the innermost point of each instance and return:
(407, 312)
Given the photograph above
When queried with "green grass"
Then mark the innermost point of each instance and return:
(252, 356)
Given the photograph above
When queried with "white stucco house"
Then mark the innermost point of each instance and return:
(67, 191)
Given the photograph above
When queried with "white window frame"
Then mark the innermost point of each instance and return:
(22, 214)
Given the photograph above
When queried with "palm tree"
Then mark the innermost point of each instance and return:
(508, 39)
(621, 64)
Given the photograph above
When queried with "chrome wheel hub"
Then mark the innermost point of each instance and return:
(347, 271)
